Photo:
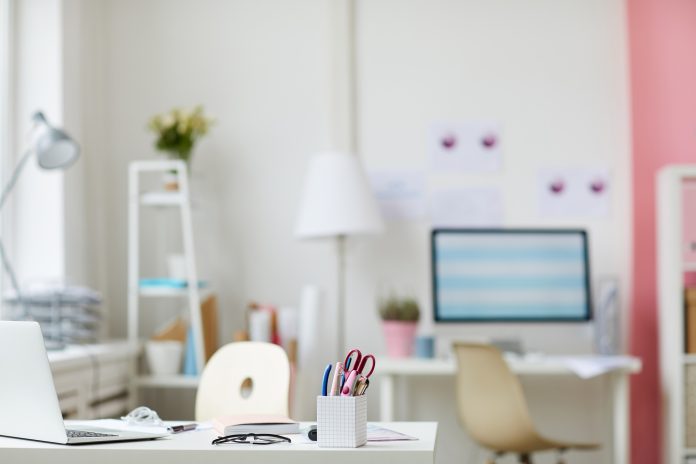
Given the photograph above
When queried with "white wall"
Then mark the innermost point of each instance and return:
(554, 74)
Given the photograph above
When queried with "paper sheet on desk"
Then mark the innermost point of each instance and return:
(587, 367)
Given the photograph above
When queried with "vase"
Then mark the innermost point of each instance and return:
(400, 337)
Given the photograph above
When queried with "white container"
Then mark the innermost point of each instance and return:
(341, 421)
(164, 357)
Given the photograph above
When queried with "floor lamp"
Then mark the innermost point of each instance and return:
(54, 149)
(337, 203)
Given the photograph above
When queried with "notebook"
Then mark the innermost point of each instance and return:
(255, 423)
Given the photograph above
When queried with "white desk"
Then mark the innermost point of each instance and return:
(195, 448)
(391, 371)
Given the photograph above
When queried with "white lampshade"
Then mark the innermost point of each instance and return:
(337, 199)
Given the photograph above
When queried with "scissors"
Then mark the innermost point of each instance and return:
(360, 361)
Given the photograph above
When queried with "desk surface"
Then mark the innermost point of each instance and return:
(582, 366)
(195, 447)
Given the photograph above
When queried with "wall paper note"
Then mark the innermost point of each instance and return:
(468, 207)
(574, 192)
(473, 146)
(400, 194)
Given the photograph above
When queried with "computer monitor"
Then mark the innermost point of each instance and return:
(510, 275)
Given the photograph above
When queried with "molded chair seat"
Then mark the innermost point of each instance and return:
(492, 406)
(244, 378)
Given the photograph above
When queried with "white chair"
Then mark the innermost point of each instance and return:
(244, 378)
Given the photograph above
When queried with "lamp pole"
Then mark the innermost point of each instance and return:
(341, 295)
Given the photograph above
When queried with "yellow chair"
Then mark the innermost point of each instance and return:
(244, 378)
(492, 407)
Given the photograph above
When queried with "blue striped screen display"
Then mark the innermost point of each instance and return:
(510, 275)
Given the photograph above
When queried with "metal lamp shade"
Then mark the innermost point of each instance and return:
(54, 148)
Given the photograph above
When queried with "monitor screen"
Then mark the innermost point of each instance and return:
(508, 275)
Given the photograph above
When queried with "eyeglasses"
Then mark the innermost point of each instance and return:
(252, 439)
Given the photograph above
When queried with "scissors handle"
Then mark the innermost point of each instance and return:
(364, 361)
(348, 362)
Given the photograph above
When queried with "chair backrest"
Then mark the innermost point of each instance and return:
(491, 403)
(220, 389)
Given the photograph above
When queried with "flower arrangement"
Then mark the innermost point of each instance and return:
(178, 130)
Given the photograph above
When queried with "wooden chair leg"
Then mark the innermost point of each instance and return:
(526, 459)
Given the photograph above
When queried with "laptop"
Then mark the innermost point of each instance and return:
(28, 400)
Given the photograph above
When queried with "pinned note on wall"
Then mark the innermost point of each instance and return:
(574, 192)
(466, 207)
(465, 146)
(400, 194)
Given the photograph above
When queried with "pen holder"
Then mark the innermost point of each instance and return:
(341, 421)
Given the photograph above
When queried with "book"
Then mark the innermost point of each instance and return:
(255, 423)
(690, 319)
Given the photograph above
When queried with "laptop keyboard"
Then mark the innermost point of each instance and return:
(83, 434)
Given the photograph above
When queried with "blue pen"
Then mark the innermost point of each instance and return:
(325, 381)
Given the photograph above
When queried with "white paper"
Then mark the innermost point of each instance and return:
(587, 367)
(470, 207)
(573, 192)
(472, 146)
(400, 194)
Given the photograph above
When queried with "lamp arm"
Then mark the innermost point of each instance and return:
(13, 178)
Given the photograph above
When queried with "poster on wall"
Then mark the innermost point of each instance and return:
(400, 194)
(468, 146)
(574, 192)
(466, 207)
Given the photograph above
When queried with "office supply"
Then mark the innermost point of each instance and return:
(503, 275)
(337, 202)
(393, 372)
(164, 356)
(347, 389)
(28, 398)
(490, 398)
(311, 432)
(377, 433)
(54, 149)
(265, 365)
(255, 423)
(179, 449)
(360, 362)
(325, 380)
(341, 421)
(337, 383)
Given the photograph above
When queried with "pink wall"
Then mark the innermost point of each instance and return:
(662, 36)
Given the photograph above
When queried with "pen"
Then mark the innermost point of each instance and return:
(335, 387)
(325, 380)
(182, 428)
(350, 382)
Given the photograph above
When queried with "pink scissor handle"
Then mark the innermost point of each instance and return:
(362, 365)
(348, 363)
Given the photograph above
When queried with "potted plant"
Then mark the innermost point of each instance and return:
(399, 322)
(177, 132)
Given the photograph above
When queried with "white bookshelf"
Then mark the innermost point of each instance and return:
(670, 270)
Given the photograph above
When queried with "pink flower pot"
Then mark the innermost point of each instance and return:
(400, 337)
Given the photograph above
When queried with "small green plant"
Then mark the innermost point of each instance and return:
(178, 130)
(399, 309)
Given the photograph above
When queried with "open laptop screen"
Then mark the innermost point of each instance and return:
(510, 275)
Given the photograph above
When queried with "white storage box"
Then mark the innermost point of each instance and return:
(341, 421)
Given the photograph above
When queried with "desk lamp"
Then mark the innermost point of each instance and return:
(337, 203)
(54, 149)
